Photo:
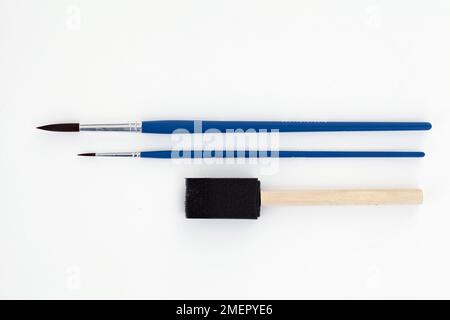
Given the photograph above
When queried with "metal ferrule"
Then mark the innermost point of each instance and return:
(119, 154)
(126, 127)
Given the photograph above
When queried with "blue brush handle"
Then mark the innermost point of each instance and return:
(168, 154)
(191, 126)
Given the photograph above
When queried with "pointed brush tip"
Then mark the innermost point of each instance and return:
(89, 154)
(61, 127)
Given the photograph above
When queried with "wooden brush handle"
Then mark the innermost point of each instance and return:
(342, 197)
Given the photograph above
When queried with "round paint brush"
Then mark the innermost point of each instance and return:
(200, 126)
(193, 154)
(242, 198)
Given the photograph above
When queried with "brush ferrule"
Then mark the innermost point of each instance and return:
(119, 154)
(126, 127)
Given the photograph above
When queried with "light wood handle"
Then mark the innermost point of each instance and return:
(343, 197)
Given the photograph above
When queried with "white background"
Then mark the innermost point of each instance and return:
(75, 227)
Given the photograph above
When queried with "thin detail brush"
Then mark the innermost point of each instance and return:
(191, 154)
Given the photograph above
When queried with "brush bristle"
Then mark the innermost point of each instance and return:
(61, 127)
(89, 154)
(222, 198)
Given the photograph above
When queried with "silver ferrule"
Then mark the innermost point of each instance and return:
(119, 154)
(126, 127)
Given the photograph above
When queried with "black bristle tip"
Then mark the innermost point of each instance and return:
(222, 198)
(61, 127)
(89, 154)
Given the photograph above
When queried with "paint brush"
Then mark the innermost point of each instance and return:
(198, 126)
(191, 154)
(242, 198)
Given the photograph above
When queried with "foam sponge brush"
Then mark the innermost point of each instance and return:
(241, 198)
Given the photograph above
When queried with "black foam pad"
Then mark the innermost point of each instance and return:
(222, 198)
